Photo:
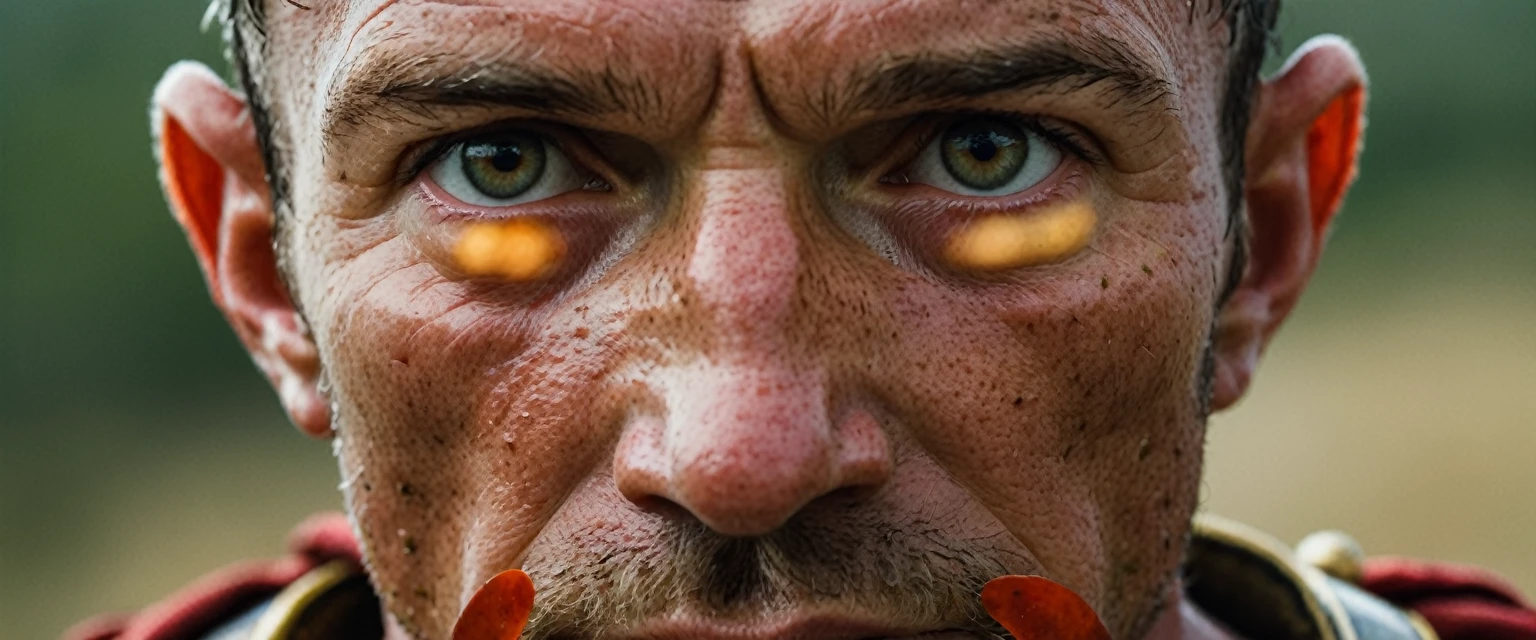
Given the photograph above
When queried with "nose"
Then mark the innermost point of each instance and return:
(750, 434)
(744, 449)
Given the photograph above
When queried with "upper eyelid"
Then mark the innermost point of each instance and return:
(926, 128)
(568, 140)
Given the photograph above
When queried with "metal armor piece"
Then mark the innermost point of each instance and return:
(1260, 589)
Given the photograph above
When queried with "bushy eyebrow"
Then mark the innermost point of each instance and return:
(393, 83)
(1059, 65)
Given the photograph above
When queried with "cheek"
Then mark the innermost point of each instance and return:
(1070, 402)
(464, 415)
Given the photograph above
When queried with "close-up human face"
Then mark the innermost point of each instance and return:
(754, 398)
(757, 319)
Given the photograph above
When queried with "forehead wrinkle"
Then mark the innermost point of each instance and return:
(832, 64)
(387, 76)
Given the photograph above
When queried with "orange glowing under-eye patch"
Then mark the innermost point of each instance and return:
(1035, 608)
(999, 242)
(499, 610)
(518, 249)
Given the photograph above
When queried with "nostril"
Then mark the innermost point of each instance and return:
(660, 505)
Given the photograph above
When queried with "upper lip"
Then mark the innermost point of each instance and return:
(788, 627)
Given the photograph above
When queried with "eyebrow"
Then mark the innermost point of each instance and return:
(393, 83)
(1053, 64)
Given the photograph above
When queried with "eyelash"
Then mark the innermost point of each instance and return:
(1070, 140)
(436, 149)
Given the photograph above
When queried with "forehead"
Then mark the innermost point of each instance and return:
(665, 54)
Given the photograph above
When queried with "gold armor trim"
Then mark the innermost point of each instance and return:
(1321, 596)
(277, 622)
(1422, 626)
(332, 602)
(1278, 556)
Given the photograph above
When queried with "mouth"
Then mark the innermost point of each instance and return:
(788, 628)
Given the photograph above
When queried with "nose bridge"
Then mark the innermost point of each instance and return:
(746, 438)
(745, 255)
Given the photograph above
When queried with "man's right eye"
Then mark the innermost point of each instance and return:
(506, 168)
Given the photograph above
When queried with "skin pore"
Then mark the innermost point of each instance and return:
(751, 389)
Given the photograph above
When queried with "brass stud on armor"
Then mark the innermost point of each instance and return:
(1334, 553)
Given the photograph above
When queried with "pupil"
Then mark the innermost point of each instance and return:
(983, 148)
(507, 158)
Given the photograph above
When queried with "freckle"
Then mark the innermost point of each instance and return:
(1146, 269)
(1018, 401)
(406, 489)
(520, 249)
(999, 242)
(581, 333)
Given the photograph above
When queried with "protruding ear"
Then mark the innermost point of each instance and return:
(215, 180)
(1302, 148)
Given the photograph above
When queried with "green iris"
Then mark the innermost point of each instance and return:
(984, 153)
(505, 165)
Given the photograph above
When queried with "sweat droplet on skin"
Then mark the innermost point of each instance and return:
(521, 249)
(1000, 242)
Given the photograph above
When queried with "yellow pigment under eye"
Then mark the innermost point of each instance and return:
(520, 249)
(999, 242)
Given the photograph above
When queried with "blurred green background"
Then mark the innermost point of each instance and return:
(138, 447)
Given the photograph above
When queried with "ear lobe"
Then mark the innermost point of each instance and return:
(215, 182)
(1302, 148)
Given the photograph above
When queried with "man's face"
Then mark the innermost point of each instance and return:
(758, 392)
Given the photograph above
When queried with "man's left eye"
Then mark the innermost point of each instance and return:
(985, 156)
(506, 168)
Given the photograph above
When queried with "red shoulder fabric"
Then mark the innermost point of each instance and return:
(228, 592)
(1460, 602)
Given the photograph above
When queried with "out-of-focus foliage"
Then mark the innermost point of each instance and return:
(138, 447)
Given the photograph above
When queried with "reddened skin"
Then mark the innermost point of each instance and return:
(215, 181)
(1303, 145)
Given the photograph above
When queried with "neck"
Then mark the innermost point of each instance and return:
(1182, 620)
